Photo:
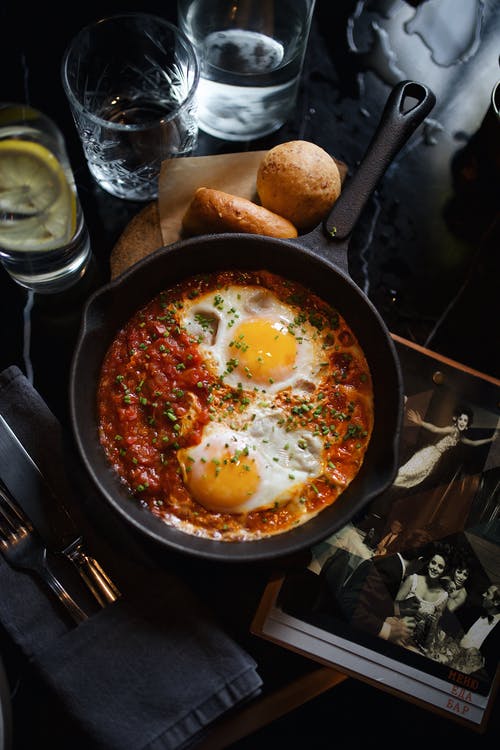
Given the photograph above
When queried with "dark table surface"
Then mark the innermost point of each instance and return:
(425, 250)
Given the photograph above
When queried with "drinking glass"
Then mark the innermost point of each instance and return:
(44, 242)
(251, 54)
(131, 81)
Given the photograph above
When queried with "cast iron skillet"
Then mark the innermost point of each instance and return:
(317, 260)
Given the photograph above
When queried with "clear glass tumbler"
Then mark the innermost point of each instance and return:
(44, 242)
(131, 81)
(251, 54)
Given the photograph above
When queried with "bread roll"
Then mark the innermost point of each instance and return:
(300, 181)
(212, 211)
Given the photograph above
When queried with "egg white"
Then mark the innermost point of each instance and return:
(273, 466)
(213, 320)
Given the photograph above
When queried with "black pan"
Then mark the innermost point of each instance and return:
(319, 261)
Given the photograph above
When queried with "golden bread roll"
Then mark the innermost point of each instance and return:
(300, 181)
(212, 211)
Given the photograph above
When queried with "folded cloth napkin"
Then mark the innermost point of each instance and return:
(151, 670)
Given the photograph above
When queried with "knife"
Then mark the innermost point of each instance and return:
(26, 483)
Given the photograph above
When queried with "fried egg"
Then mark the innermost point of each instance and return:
(250, 338)
(239, 471)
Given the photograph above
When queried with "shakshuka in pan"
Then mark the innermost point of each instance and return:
(235, 405)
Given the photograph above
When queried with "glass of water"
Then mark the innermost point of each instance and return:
(131, 81)
(251, 54)
(44, 242)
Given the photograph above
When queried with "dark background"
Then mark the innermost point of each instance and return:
(426, 251)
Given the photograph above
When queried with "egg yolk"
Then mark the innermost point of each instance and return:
(220, 482)
(266, 350)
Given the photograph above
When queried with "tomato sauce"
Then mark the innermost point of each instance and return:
(156, 394)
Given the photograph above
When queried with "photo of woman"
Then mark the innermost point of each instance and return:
(456, 584)
(424, 461)
(429, 591)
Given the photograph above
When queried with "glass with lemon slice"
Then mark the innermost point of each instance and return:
(44, 243)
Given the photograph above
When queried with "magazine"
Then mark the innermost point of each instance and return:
(407, 595)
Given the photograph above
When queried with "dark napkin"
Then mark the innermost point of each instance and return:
(153, 669)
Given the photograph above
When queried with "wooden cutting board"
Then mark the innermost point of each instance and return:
(140, 237)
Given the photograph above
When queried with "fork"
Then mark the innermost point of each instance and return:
(24, 550)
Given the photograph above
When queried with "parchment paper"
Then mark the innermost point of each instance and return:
(179, 178)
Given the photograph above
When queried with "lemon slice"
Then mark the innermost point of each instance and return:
(37, 202)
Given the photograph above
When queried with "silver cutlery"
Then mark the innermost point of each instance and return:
(48, 515)
(24, 550)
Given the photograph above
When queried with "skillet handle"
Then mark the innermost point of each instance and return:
(394, 129)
